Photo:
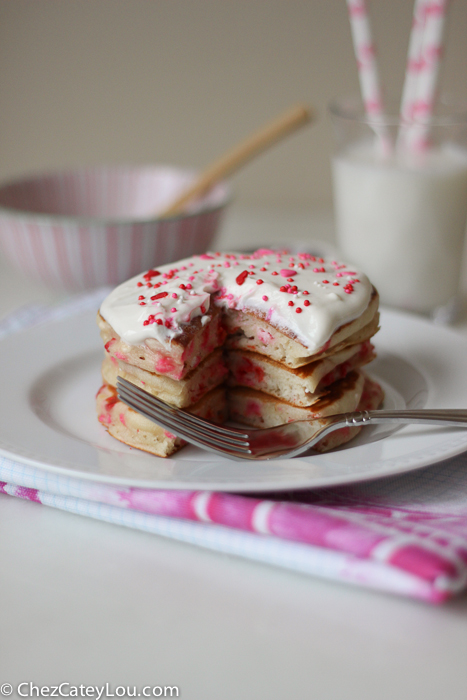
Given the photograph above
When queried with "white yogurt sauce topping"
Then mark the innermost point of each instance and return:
(301, 294)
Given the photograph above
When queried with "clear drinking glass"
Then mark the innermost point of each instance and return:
(400, 199)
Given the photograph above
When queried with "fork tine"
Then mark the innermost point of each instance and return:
(180, 429)
(213, 444)
(187, 417)
(176, 421)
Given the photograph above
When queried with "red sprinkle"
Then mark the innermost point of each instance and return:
(291, 303)
(242, 277)
(161, 295)
(159, 321)
(283, 289)
(274, 273)
(306, 302)
(151, 273)
(139, 284)
(141, 296)
(298, 310)
(259, 281)
(305, 291)
(325, 281)
(181, 286)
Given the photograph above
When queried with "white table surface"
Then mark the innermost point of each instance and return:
(88, 603)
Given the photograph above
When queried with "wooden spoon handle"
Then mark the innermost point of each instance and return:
(240, 154)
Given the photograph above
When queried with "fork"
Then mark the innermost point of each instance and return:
(287, 440)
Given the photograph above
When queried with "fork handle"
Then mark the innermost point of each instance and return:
(440, 416)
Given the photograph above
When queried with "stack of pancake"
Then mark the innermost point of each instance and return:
(260, 339)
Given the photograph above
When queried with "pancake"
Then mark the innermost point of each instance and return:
(302, 386)
(259, 410)
(211, 372)
(135, 430)
(250, 331)
(285, 334)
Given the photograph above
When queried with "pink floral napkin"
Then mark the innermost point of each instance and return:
(406, 534)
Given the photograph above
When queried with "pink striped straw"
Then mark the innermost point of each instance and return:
(423, 63)
(367, 67)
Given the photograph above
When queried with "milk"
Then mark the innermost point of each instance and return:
(402, 220)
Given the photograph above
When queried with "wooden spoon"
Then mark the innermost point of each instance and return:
(240, 154)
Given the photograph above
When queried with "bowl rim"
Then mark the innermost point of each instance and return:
(45, 217)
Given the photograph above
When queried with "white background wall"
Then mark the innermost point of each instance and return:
(179, 81)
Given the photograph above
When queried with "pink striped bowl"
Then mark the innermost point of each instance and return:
(85, 228)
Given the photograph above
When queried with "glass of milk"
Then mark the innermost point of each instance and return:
(400, 199)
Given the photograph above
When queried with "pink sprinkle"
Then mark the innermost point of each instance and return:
(174, 296)
(265, 297)
(191, 280)
(230, 296)
(205, 256)
(288, 273)
(173, 310)
(188, 286)
(339, 274)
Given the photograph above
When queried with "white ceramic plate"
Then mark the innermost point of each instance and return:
(50, 375)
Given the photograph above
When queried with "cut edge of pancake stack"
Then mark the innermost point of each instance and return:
(259, 339)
